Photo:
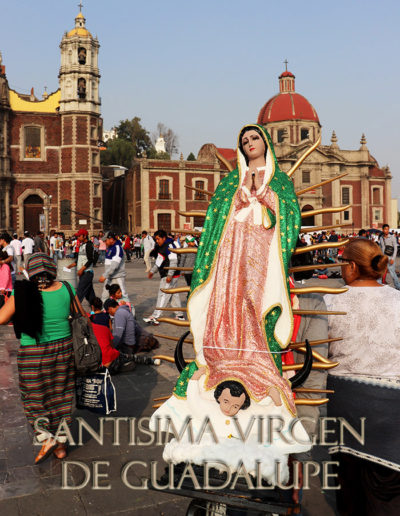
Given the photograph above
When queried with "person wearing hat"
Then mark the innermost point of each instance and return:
(27, 246)
(114, 267)
(84, 263)
(40, 309)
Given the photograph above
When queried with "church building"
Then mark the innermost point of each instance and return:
(155, 189)
(294, 126)
(49, 156)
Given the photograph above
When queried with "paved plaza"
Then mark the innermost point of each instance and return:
(36, 490)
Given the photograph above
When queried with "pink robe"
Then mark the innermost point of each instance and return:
(5, 277)
(234, 318)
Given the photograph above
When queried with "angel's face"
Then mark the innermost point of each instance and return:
(230, 405)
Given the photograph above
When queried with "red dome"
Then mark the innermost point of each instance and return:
(286, 74)
(287, 106)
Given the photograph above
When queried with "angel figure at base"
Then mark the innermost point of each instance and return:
(240, 307)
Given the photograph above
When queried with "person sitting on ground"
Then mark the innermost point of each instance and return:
(124, 327)
(128, 335)
(112, 358)
(116, 294)
(98, 315)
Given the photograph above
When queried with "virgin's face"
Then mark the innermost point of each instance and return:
(253, 145)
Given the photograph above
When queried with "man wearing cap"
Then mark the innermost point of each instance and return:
(114, 266)
(27, 247)
(84, 264)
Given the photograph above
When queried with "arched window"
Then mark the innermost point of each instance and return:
(82, 55)
(81, 88)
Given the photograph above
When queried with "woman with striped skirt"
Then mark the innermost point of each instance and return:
(40, 309)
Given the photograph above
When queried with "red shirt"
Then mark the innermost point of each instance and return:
(104, 338)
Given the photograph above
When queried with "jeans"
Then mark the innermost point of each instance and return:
(392, 272)
(85, 287)
(102, 256)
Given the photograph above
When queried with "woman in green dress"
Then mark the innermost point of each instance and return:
(40, 310)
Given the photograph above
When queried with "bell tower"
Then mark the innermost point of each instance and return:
(79, 73)
(81, 129)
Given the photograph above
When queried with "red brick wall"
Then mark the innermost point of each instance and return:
(67, 130)
(65, 193)
(66, 160)
(82, 136)
(82, 198)
(82, 159)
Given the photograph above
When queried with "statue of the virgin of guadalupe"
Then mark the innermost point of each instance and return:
(240, 315)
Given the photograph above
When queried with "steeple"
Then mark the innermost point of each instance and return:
(363, 142)
(334, 141)
(79, 74)
(286, 80)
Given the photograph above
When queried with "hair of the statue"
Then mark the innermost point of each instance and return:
(245, 130)
(235, 388)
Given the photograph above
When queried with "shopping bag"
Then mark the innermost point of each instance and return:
(96, 392)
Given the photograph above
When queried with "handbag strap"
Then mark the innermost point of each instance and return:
(74, 308)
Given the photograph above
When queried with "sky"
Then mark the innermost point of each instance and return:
(206, 68)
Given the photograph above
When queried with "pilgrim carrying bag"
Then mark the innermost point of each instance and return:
(87, 352)
(389, 250)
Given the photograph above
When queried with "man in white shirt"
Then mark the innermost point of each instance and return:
(148, 245)
(16, 243)
(27, 247)
(53, 247)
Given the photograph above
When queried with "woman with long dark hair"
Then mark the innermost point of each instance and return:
(39, 309)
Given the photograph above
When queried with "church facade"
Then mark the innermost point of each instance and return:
(294, 125)
(155, 190)
(49, 156)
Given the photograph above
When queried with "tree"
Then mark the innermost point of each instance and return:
(119, 152)
(191, 157)
(133, 131)
(170, 138)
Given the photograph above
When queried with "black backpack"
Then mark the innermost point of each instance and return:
(87, 352)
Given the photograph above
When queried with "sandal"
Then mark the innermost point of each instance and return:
(48, 446)
(60, 451)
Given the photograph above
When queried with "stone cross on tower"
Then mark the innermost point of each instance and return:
(286, 62)
(80, 5)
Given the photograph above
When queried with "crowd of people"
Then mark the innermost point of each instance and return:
(45, 357)
(39, 307)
